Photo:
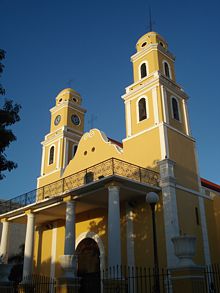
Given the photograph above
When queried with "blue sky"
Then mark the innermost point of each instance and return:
(51, 42)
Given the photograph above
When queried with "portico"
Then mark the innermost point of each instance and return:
(72, 213)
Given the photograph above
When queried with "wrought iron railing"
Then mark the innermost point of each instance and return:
(118, 279)
(94, 173)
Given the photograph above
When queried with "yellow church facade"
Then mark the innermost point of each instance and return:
(91, 193)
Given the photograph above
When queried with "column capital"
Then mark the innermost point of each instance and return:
(166, 162)
(68, 198)
(167, 171)
(4, 220)
(29, 212)
(113, 185)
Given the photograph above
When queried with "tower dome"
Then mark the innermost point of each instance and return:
(151, 38)
(70, 95)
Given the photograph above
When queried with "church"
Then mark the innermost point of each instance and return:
(90, 202)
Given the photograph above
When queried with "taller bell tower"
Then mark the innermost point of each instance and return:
(156, 109)
(66, 129)
(158, 136)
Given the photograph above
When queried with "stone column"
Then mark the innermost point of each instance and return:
(130, 235)
(69, 247)
(29, 245)
(171, 221)
(4, 240)
(68, 260)
(114, 239)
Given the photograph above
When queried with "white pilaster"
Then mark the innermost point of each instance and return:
(186, 117)
(4, 241)
(66, 152)
(29, 245)
(114, 239)
(206, 248)
(128, 117)
(130, 235)
(155, 105)
(53, 250)
(42, 161)
(69, 247)
(171, 221)
(164, 103)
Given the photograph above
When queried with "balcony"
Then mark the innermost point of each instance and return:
(86, 177)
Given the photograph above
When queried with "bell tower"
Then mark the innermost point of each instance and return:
(66, 129)
(156, 109)
(158, 136)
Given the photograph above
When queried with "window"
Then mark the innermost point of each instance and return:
(89, 177)
(166, 69)
(175, 108)
(51, 156)
(143, 70)
(142, 109)
(197, 216)
(74, 150)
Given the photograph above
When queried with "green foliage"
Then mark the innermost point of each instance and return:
(9, 115)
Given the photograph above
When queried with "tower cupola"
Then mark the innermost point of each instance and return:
(151, 38)
(68, 95)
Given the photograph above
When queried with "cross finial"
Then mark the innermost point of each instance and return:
(151, 23)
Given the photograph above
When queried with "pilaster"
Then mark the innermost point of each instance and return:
(114, 235)
(4, 240)
(171, 222)
(29, 244)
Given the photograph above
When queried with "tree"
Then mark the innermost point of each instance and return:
(9, 114)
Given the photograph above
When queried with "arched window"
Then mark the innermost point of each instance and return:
(175, 108)
(143, 70)
(51, 155)
(142, 109)
(74, 150)
(166, 69)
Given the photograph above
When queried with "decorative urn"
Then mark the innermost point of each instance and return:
(185, 249)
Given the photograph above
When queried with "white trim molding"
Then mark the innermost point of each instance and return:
(128, 117)
(186, 117)
(164, 146)
(155, 105)
(164, 104)
(42, 161)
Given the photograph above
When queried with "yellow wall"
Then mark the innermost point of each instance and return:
(212, 209)
(186, 204)
(182, 153)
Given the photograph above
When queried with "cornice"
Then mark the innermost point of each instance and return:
(68, 104)
(148, 49)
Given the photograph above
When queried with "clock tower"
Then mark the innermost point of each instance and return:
(66, 129)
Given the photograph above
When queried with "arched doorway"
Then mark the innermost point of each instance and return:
(88, 268)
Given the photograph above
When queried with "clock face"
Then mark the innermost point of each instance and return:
(57, 120)
(75, 119)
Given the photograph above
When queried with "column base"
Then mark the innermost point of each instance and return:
(188, 279)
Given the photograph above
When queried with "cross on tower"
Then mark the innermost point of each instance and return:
(151, 23)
